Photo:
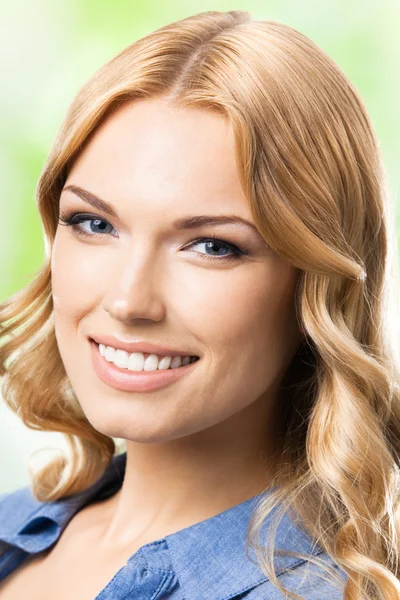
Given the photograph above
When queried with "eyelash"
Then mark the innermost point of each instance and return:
(74, 219)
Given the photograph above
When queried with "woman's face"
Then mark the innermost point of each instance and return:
(141, 279)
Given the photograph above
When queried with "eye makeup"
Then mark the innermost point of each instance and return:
(74, 220)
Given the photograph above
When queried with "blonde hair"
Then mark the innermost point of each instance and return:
(310, 167)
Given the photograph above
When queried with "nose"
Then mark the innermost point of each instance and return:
(135, 291)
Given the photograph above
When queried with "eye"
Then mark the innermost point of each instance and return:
(75, 221)
(212, 243)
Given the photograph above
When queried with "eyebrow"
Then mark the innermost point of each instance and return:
(190, 222)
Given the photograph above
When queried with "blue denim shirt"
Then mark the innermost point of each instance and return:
(206, 561)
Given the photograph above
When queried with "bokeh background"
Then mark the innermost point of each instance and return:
(48, 49)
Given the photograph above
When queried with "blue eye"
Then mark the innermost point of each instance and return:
(213, 243)
(73, 220)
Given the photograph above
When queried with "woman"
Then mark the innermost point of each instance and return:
(240, 261)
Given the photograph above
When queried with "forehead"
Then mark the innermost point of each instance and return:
(155, 152)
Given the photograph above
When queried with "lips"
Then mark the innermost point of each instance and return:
(147, 354)
(135, 381)
(138, 346)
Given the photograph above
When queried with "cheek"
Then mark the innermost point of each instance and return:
(246, 322)
(78, 276)
(246, 313)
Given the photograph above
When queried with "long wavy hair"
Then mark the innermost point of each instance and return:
(310, 167)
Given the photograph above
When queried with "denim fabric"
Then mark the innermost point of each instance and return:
(206, 561)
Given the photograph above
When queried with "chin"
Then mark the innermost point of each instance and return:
(135, 431)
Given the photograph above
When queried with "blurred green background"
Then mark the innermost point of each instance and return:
(50, 48)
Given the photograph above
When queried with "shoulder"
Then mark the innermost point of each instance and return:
(306, 579)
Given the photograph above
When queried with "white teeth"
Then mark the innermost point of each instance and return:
(109, 353)
(151, 363)
(137, 362)
(120, 358)
(165, 362)
(176, 362)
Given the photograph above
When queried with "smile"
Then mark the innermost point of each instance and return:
(124, 379)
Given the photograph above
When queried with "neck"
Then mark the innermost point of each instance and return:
(171, 485)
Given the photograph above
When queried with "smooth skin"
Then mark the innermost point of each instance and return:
(202, 444)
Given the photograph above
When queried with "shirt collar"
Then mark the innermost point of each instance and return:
(22, 517)
(210, 555)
